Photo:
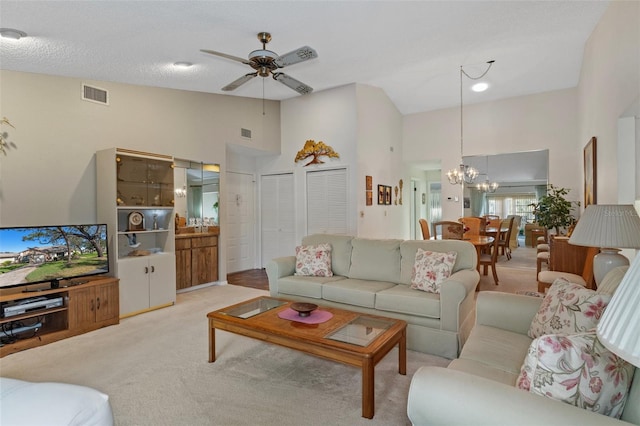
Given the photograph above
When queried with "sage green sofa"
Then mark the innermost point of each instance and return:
(374, 276)
(483, 378)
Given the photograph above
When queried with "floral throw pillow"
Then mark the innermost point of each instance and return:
(314, 260)
(431, 269)
(568, 308)
(578, 370)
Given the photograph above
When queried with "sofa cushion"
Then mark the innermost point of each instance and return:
(404, 300)
(314, 260)
(376, 260)
(568, 308)
(466, 258)
(340, 250)
(483, 370)
(496, 348)
(430, 269)
(354, 292)
(305, 286)
(578, 370)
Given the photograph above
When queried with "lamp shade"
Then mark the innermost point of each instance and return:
(619, 327)
(608, 225)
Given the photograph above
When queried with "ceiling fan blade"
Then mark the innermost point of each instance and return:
(239, 82)
(301, 54)
(292, 83)
(224, 55)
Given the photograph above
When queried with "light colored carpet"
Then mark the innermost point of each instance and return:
(154, 369)
(515, 275)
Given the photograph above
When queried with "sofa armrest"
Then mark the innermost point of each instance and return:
(278, 268)
(485, 402)
(453, 292)
(511, 312)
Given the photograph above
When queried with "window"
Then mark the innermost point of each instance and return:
(517, 204)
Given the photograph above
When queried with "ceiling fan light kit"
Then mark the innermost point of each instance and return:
(12, 34)
(266, 62)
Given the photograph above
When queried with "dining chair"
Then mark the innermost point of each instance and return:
(493, 220)
(489, 258)
(546, 278)
(504, 240)
(476, 225)
(448, 230)
(424, 225)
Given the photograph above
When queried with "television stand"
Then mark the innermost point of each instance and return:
(86, 307)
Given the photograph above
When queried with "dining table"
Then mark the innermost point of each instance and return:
(479, 242)
(492, 231)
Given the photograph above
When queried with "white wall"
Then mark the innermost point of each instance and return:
(380, 156)
(609, 86)
(362, 125)
(49, 178)
(329, 116)
(525, 123)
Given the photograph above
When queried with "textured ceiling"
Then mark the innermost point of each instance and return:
(412, 50)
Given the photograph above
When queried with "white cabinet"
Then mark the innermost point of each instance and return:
(135, 199)
(147, 282)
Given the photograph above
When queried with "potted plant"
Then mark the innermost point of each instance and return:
(553, 210)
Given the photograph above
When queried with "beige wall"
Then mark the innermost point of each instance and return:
(380, 156)
(49, 178)
(526, 123)
(609, 89)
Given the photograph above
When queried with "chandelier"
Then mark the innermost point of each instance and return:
(465, 173)
(488, 186)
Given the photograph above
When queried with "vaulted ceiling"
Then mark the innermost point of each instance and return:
(413, 50)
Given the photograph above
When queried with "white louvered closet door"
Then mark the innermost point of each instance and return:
(277, 216)
(327, 202)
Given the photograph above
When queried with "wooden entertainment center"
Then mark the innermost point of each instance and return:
(85, 307)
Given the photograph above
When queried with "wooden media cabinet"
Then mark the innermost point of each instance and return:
(85, 307)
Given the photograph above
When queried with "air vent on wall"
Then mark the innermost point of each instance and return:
(245, 133)
(95, 94)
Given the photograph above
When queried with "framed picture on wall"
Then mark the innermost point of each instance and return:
(381, 194)
(369, 183)
(369, 199)
(387, 195)
(590, 173)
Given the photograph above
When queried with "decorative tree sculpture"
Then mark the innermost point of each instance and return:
(315, 150)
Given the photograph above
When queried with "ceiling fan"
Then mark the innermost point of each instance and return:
(266, 63)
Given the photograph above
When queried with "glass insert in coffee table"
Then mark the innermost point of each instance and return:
(253, 308)
(361, 331)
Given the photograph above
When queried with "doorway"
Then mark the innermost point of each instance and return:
(240, 228)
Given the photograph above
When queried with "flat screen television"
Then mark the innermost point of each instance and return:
(50, 254)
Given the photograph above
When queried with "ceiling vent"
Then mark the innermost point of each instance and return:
(245, 133)
(95, 94)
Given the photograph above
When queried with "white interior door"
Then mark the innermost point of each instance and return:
(327, 202)
(277, 216)
(240, 226)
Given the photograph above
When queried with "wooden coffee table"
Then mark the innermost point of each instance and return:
(371, 337)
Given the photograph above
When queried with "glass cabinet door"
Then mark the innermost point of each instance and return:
(144, 182)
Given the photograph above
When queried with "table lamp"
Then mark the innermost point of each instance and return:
(609, 227)
(618, 328)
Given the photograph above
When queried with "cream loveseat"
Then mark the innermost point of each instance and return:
(483, 378)
(374, 276)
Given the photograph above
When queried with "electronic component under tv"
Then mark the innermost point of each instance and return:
(50, 254)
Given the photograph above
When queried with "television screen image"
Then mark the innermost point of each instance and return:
(39, 254)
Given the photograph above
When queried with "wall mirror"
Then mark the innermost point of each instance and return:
(522, 178)
(197, 191)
